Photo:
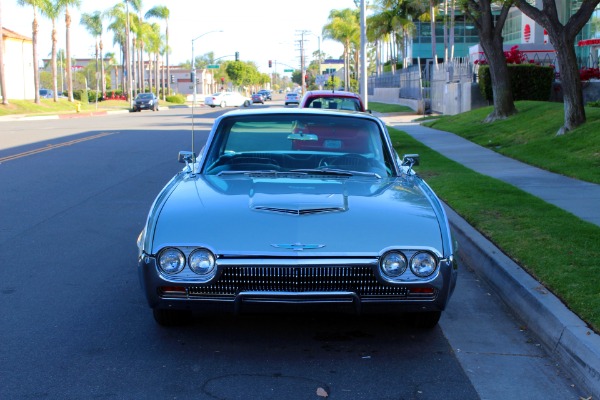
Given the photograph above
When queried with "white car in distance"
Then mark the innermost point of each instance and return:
(227, 99)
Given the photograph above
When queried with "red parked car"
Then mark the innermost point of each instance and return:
(332, 100)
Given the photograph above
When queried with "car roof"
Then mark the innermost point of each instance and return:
(303, 111)
(337, 93)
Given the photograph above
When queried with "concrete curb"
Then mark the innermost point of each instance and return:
(561, 332)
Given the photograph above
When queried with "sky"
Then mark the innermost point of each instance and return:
(260, 30)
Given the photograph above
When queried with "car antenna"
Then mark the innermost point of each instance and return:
(193, 152)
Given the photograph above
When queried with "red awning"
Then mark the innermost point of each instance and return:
(589, 42)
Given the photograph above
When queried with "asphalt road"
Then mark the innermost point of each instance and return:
(74, 323)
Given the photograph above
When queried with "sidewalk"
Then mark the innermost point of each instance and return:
(564, 334)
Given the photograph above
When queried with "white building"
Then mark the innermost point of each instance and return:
(18, 65)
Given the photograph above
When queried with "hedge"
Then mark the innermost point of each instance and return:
(528, 82)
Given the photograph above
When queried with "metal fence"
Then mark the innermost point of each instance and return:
(408, 80)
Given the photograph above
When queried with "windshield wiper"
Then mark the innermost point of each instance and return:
(334, 171)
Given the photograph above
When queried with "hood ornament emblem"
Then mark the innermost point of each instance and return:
(298, 246)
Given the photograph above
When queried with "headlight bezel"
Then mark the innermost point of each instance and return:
(173, 252)
(417, 262)
(207, 256)
(397, 272)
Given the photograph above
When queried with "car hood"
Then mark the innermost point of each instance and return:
(251, 215)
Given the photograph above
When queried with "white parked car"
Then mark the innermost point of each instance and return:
(227, 99)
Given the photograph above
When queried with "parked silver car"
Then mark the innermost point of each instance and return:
(297, 207)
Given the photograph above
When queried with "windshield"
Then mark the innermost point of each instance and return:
(298, 143)
(335, 103)
(144, 96)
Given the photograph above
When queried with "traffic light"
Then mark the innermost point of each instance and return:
(222, 80)
(237, 56)
(172, 78)
(197, 80)
(193, 76)
(270, 63)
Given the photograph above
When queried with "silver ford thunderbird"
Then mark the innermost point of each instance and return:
(297, 208)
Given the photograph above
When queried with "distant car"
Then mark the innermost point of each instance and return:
(46, 93)
(292, 98)
(266, 94)
(297, 207)
(258, 98)
(145, 101)
(227, 99)
(332, 100)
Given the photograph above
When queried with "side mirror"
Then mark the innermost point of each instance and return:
(186, 157)
(410, 160)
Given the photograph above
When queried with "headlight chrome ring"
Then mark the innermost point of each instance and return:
(423, 264)
(393, 264)
(202, 262)
(171, 260)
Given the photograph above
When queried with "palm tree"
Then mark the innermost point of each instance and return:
(65, 4)
(118, 27)
(2, 76)
(162, 12)
(35, 4)
(154, 46)
(93, 24)
(137, 27)
(344, 27)
(51, 10)
(112, 62)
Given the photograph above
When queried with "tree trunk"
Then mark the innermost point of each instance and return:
(54, 68)
(571, 85)
(562, 36)
(503, 98)
(490, 37)
(68, 45)
(102, 72)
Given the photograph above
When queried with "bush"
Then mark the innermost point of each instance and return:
(594, 104)
(176, 99)
(528, 81)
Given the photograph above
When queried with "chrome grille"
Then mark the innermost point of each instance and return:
(357, 279)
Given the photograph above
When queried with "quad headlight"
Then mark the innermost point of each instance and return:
(393, 264)
(423, 264)
(171, 260)
(202, 261)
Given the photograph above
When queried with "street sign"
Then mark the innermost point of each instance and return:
(288, 70)
(213, 66)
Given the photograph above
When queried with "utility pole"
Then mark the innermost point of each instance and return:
(302, 66)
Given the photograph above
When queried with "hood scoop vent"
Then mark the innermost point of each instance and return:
(308, 205)
(290, 211)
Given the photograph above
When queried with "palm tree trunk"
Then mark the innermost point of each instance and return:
(36, 72)
(68, 45)
(102, 73)
(54, 69)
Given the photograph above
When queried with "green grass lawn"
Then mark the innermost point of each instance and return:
(62, 106)
(388, 108)
(557, 248)
(530, 136)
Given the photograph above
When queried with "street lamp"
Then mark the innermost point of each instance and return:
(193, 72)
